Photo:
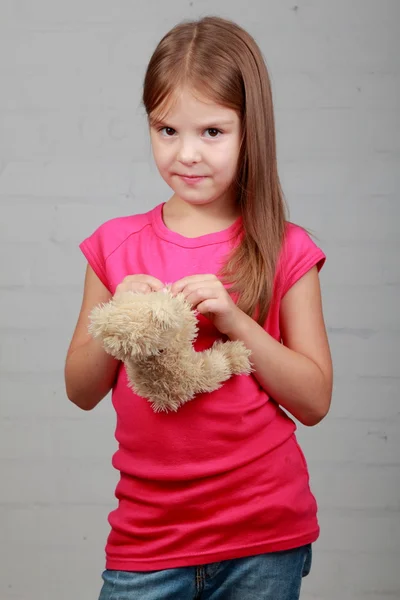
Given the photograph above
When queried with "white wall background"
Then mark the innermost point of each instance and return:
(74, 152)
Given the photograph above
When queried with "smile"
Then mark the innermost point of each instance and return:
(192, 179)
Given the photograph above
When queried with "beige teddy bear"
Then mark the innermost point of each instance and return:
(153, 335)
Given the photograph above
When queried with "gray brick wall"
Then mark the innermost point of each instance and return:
(74, 152)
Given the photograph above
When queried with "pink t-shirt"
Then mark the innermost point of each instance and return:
(224, 476)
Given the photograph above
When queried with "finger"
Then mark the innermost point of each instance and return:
(203, 291)
(133, 286)
(214, 285)
(179, 285)
(154, 283)
(140, 287)
(200, 295)
(208, 307)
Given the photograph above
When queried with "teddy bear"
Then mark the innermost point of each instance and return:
(153, 335)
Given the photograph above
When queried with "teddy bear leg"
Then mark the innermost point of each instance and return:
(212, 370)
(219, 363)
(237, 356)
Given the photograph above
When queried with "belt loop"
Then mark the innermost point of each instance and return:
(200, 580)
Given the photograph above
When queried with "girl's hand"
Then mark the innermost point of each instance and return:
(207, 294)
(138, 283)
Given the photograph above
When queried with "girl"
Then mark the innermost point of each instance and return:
(214, 500)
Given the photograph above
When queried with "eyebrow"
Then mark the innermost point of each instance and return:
(212, 123)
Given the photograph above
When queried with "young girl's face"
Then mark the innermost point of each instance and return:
(196, 149)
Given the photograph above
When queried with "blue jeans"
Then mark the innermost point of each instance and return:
(273, 576)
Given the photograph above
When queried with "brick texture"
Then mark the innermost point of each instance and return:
(74, 152)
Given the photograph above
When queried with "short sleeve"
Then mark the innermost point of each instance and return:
(299, 254)
(94, 250)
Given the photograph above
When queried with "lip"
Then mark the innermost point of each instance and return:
(191, 179)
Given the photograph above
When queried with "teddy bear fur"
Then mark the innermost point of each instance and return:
(153, 335)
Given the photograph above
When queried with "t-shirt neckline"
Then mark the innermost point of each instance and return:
(204, 240)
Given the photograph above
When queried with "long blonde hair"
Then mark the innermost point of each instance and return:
(223, 62)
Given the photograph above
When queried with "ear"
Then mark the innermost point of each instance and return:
(167, 316)
(108, 325)
(99, 319)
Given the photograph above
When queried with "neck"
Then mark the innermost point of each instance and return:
(219, 210)
(193, 220)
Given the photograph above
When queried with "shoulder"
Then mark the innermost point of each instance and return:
(298, 255)
(112, 233)
(295, 236)
(100, 245)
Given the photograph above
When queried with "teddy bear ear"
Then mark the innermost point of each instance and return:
(166, 316)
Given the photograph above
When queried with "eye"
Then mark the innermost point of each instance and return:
(213, 132)
(167, 131)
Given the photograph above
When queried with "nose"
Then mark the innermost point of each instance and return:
(188, 153)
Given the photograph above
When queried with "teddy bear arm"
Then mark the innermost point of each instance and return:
(237, 355)
(211, 369)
